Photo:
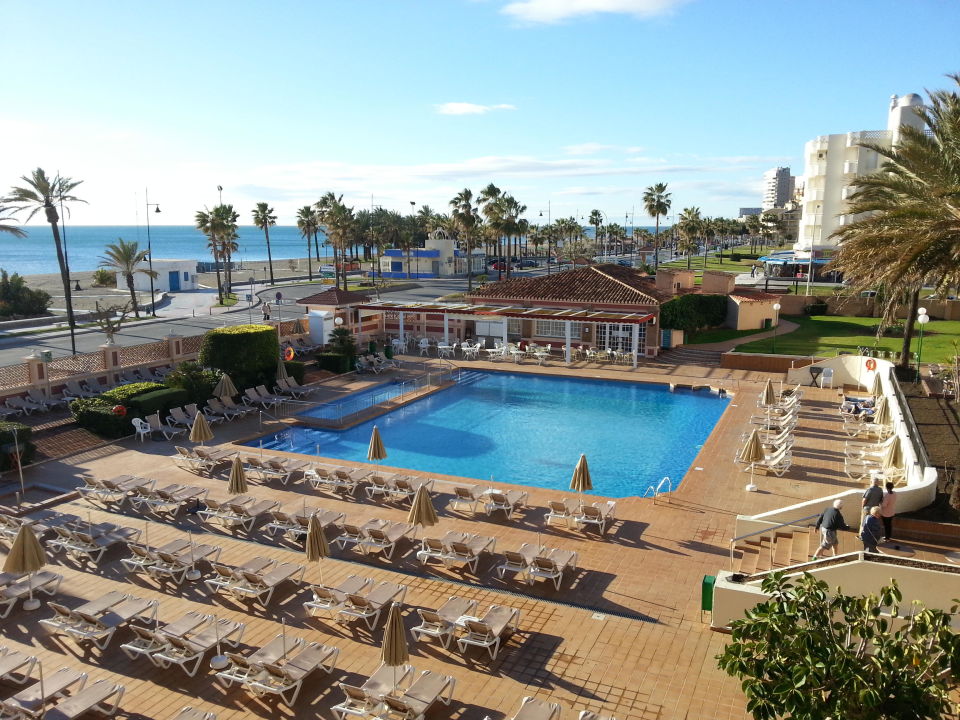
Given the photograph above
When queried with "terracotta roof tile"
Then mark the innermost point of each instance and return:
(334, 297)
(598, 284)
(753, 296)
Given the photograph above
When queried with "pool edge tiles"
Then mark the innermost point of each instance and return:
(529, 429)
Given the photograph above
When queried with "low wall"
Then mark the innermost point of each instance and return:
(847, 370)
(865, 307)
(765, 363)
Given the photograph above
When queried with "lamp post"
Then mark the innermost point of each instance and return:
(153, 302)
(776, 323)
(413, 205)
(923, 319)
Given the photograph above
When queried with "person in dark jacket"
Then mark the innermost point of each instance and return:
(829, 522)
(871, 532)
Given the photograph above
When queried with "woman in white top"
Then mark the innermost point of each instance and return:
(887, 510)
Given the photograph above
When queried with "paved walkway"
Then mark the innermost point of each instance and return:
(785, 327)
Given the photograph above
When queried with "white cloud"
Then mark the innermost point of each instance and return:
(554, 11)
(588, 148)
(465, 108)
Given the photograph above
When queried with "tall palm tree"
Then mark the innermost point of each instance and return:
(754, 227)
(264, 219)
(487, 200)
(656, 202)
(466, 218)
(340, 226)
(123, 257)
(220, 227)
(596, 219)
(43, 193)
(307, 224)
(906, 228)
(690, 227)
(11, 229)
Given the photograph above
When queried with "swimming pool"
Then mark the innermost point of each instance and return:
(356, 402)
(530, 430)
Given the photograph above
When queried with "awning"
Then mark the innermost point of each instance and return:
(583, 316)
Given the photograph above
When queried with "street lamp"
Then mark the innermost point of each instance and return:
(923, 319)
(776, 322)
(153, 301)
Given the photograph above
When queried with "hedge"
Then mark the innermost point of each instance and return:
(693, 312)
(247, 353)
(296, 369)
(96, 416)
(123, 394)
(335, 362)
(197, 381)
(158, 401)
(9, 444)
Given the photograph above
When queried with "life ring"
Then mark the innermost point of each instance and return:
(871, 364)
(119, 410)
(289, 354)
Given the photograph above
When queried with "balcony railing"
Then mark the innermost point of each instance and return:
(850, 168)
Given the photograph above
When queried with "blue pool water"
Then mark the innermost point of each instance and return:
(530, 430)
(354, 402)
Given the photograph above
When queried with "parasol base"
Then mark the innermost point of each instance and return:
(219, 662)
(751, 487)
(192, 575)
(31, 604)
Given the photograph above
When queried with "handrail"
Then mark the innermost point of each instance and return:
(735, 540)
(657, 491)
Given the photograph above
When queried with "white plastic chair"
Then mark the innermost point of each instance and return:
(142, 427)
(826, 377)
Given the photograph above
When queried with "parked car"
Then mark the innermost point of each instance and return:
(625, 263)
(528, 263)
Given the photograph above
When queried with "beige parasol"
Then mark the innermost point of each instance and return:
(877, 388)
(376, 451)
(201, 432)
(316, 546)
(581, 481)
(422, 511)
(26, 557)
(281, 371)
(394, 652)
(893, 457)
(225, 387)
(238, 478)
(752, 453)
(767, 395)
(881, 413)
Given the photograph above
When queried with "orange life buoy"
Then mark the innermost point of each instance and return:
(871, 364)
(289, 354)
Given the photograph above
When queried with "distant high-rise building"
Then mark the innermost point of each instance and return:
(778, 185)
(832, 164)
(746, 212)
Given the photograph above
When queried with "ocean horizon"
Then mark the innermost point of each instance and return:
(35, 254)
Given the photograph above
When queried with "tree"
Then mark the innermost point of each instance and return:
(596, 219)
(124, 258)
(307, 224)
(465, 215)
(322, 208)
(264, 219)
(341, 228)
(108, 320)
(656, 202)
(690, 226)
(43, 193)
(808, 654)
(905, 232)
(11, 229)
(220, 228)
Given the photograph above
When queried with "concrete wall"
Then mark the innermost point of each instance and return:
(717, 282)
(865, 307)
(752, 315)
(766, 363)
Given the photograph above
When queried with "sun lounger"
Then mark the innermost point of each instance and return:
(244, 668)
(365, 700)
(368, 607)
(351, 534)
(506, 502)
(25, 405)
(224, 576)
(246, 515)
(404, 488)
(285, 472)
(179, 417)
(176, 565)
(141, 556)
(778, 462)
(552, 565)
(243, 409)
(43, 581)
(560, 510)
(188, 652)
(468, 551)
(213, 459)
(192, 411)
(329, 599)
(102, 696)
(219, 510)
(384, 539)
(75, 390)
(286, 680)
(599, 514)
(533, 709)
(261, 586)
(30, 702)
(346, 480)
(49, 401)
(488, 631)
(218, 408)
(190, 713)
(426, 691)
(100, 628)
(297, 387)
(251, 396)
(169, 502)
(168, 431)
(442, 623)
(439, 548)
(380, 484)
(15, 666)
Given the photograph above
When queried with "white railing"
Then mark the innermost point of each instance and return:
(766, 531)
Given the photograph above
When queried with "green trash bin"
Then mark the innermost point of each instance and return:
(706, 594)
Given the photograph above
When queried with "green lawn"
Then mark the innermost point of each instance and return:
(827, 335)
(718, 335)
(714, 263)
(229, 300)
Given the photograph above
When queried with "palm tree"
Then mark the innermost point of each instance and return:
(12, 229)
(690, 226)
(340, 228)
(466, 219)
(906, 231)
(220, 227)
(123, 257)
(264, 219)
(323, 206)
(754, 226)
(656, 202)
(307, 224)
(43, 193)
(596, 219)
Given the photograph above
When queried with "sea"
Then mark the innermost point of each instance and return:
(35, 254)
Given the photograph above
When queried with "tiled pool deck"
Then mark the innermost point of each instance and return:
(636, 646)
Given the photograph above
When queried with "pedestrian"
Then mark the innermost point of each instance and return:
(872, 496)
(829, 522)
(887, 511)
(872, 530)
(266, 310)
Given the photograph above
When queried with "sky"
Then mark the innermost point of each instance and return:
(569, 105)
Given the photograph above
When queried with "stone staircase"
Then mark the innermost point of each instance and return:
(783, 548)
(689, 356)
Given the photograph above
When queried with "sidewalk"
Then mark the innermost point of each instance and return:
(728, 345)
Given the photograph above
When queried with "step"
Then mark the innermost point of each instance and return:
(804, 543)
(782, 549)
(749, 557)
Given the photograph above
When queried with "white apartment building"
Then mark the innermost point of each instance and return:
(778, 186)
(832, 164)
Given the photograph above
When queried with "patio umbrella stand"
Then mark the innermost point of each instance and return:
(752, 453)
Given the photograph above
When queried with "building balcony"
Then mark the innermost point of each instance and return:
(850, 168)
(848, 192)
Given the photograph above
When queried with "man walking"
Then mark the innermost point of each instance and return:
(872, 497)
(829, 522)
(872, 530)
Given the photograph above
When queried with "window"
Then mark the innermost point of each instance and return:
(557, 329)
(618, 336)
(186, 276)
(489, 328)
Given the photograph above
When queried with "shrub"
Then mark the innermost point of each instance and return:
(104, 278)
(159, 401)
(335, 362)
(693, 312)
(295, 369)
(248, 353)
(123, 394)
(17, 299)
(816, 308)
(194, 379)
(14, 435)
(97, 416)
